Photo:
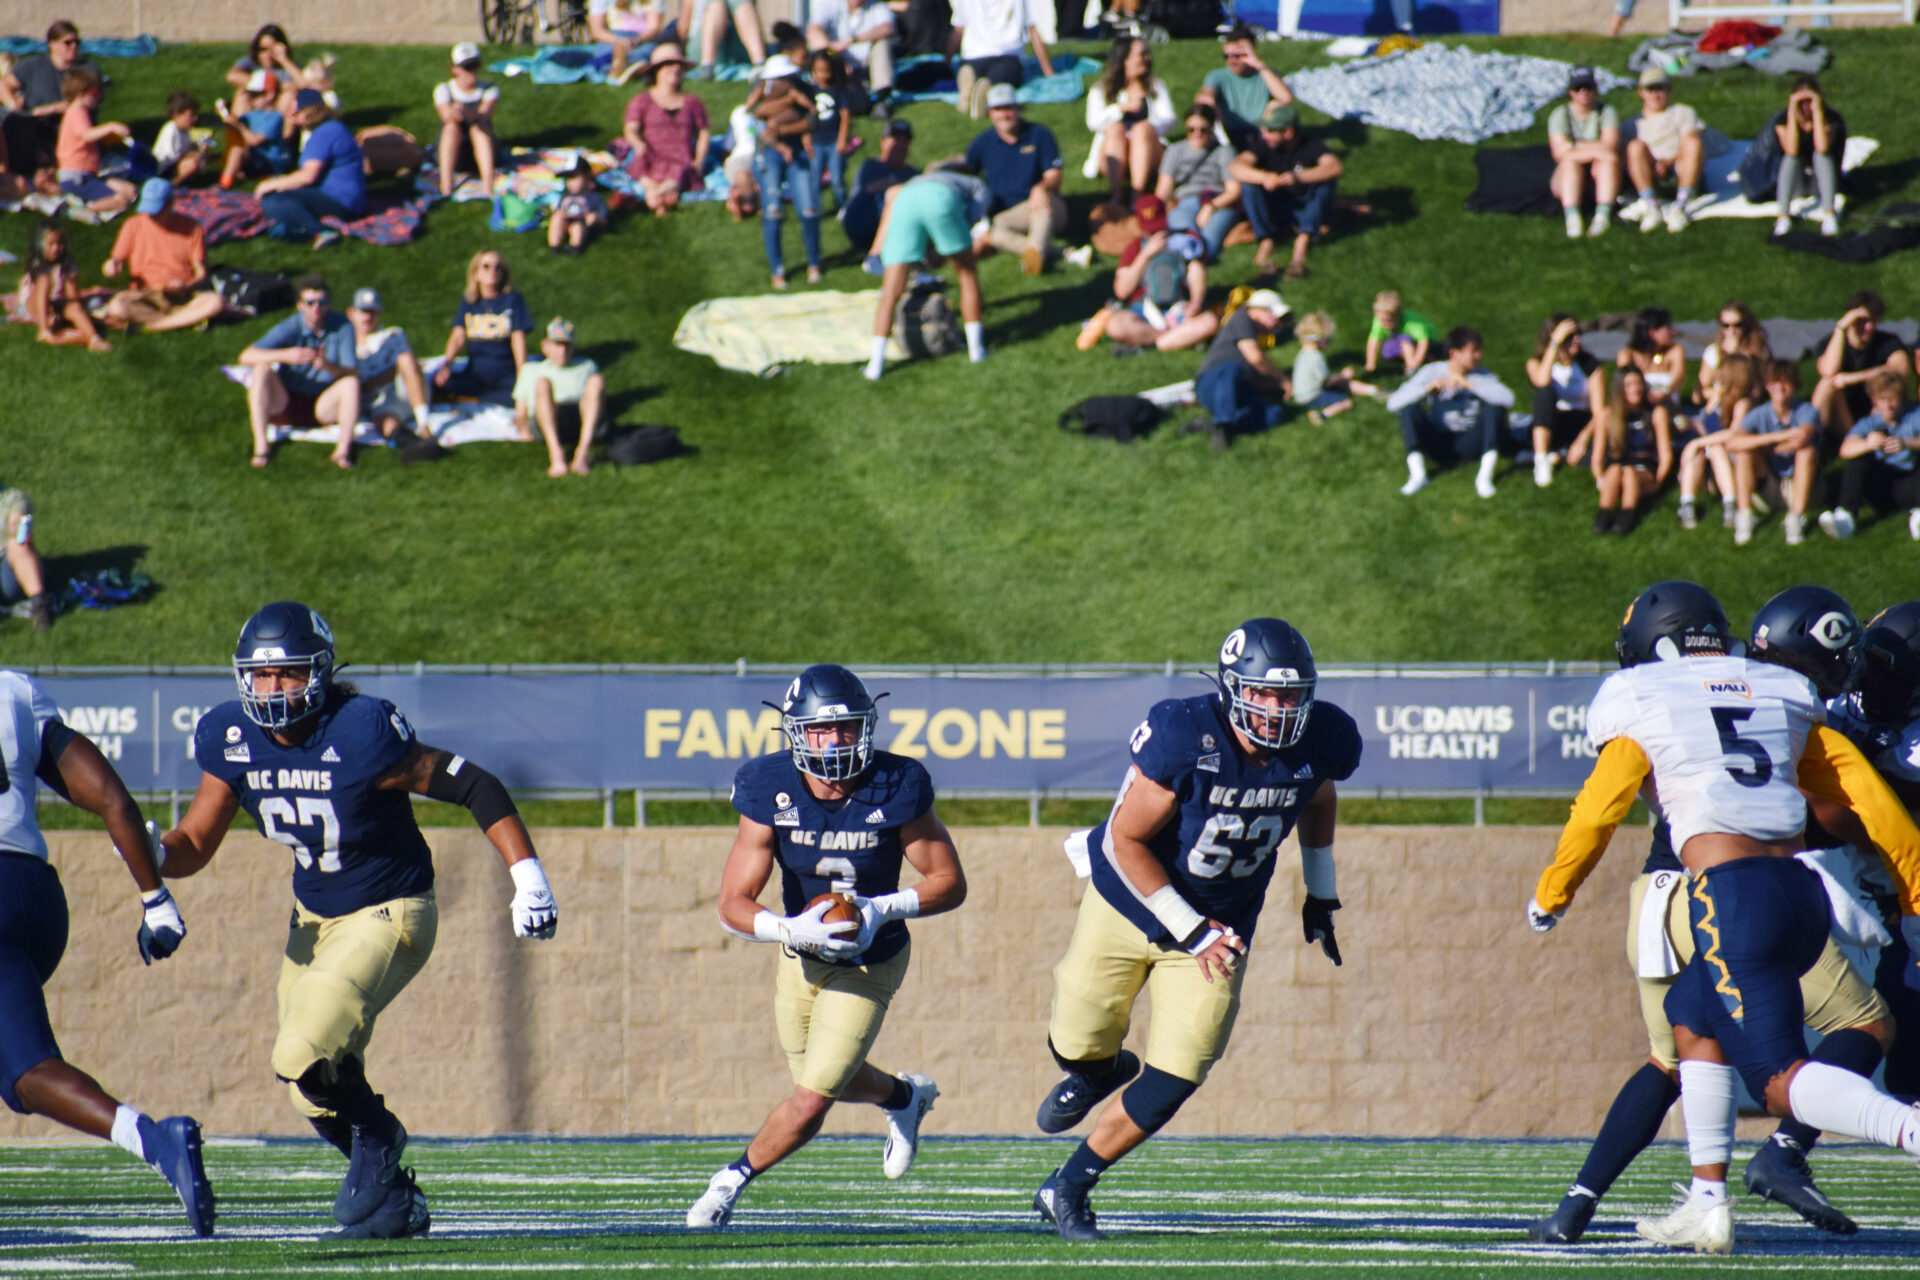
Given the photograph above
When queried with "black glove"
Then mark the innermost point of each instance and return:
(1316, 919)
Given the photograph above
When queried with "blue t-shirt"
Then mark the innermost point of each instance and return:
(490, 323)
(853, 842)
(1764, 421)
(353, 844)
(1234, 809)
(1011, 169)
(1908, 428)
(874, 173)
(334, 341)
(345, 175)
(276, 153)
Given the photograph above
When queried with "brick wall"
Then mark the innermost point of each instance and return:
(1449, 1016)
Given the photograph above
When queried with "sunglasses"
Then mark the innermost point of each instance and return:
(320, 301)
(72, 40)
(1729, 324)
(488, 266)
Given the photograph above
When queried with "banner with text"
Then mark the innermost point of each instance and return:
(1053, 733)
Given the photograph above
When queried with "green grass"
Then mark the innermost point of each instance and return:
(939, 516)
(1324, 1207)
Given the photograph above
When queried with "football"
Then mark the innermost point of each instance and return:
(842, 908)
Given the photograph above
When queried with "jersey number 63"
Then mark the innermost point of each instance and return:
(1227, 844)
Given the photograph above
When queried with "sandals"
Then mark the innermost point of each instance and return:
(1294, 271)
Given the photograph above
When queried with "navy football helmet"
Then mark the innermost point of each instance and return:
(1810, 630)
(1887, 676)
(1674, 620)
(1267, 654)
(822, 695)
(284, 634)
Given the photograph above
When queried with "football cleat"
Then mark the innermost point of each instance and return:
(714, 1208)
(1566, 1224)
(402, 1212)
(1076, 1095)
(373, 1169)
(1701, 1225)
(1779, 1172)
(1067, 1210)
(172, 1146)
(903, 1128)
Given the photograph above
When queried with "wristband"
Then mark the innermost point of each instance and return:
(156, 897)
(902, 904)
(1316, 868)
(768, 927)
(1175, 914)
(1203, 937)
(528, 877)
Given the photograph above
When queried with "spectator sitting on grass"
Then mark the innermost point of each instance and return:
(22, 577)
(1398, 334)
(491, 325)
(331, 181)
(1129, 112)
(1634, 455)
(1784, 432)
(1317, 389)
(1739, 334)
(1729, 400)
(626, 25)
(1813, 138)
(179, 154)
(705, 21)
(1241, 91)
(1879, 455)
(1584, 135)
(989, 36)
(79, 145)
(667, 131)
(1160, 290)
(1858, 349)
(1020, 161)
(164, 253)
(269, 51)
(578, 214)
(1237, 384)
(465, 104)
(1201, 195)
(259, 143)
(35, 85)
(1665, 145)
(305, 374)
(1453, 410)
(563, 395)
(1569, 396)
(860, 218)
(49, 294)
(1655, 349)
(393, 390)
(1287, 180)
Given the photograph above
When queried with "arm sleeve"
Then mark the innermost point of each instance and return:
(1833, 768)
(1491, 389)
(1597, 810)
(1415, 387)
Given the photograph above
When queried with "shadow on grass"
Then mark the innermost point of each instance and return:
(125, 559)
(1871, 182)
(621, 401)
(564, 135)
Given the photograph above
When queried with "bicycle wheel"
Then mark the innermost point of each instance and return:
(573, 21)
(502, 21)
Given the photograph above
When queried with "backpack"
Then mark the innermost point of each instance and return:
(1122, 418)
(924, 323)
(251, 291)
(1166, 279)
(637, 446)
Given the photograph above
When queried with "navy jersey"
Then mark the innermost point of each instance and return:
(846, 846)
(1233, 810)
(353, 845)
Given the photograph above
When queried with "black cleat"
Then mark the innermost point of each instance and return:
(1779, 1172)
(1067, 1211)
(173, 1147)
(373, 1168)
(1076, 1095)
(1566, 1224)
(401, 1214)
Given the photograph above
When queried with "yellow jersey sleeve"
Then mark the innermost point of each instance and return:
(1597, 810)
(1833, 768)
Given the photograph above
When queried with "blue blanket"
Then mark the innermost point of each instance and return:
(93, 47)
(574, 63)
(1064, 85)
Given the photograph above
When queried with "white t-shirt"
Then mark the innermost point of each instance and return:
(172, 143)
(447, 92)
(1723, 736)
(991, 28)
(841, 23)
(28, 709)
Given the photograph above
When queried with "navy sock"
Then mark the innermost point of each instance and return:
(902, 1095)
(1083, 1168)
(1632, 1122)
(1853, 1049)
(744, 1167)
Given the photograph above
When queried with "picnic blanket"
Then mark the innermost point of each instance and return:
(63, 205)
(1441, 91)
(762, 335)
(1788, 53)
(451, 424)
(1789, 339)
(235, 215)
(574, 63)
(925, 78)
(1721, 197)
(138, 47)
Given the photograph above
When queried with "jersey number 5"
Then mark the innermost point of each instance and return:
(313, 810)
(1728, 720)
(1211, 854)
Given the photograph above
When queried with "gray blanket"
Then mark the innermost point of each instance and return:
(1785, 54)
(1790, 339)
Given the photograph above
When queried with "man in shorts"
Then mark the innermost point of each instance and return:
(391, 381)
(933, 213)
(164, 253)
(305, 374)
(1665, 146)
(563, 395)
(22, 580)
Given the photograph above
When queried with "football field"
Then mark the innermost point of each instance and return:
(1182, 1208)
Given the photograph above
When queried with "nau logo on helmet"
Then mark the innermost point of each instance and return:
(793, 692)
(320, 625)
(1233, 647)
(1834, 631)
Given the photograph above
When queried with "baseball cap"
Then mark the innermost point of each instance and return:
(1151, 213)
(308, 98)
(1279, 116)
(154, 194)
(559, 330)
(263, 82)
(1002, 95)
(465, 52)
(1268, 300)
(1581, 78)
(901, 128)
(366, 300)
(778, 67)
(1655, 77)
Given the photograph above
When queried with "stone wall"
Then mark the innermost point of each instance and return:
(1449, 1017)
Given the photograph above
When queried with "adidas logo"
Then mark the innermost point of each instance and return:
(383, 914)
(877, 816)
(330, 756)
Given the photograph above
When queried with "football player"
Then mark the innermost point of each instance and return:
(1180, 870)
(1812, 631)
(37, 746)
(327, 771)
(836, 817)
(1724, 745)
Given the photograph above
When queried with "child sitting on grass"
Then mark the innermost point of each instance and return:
(1315, 389)
(258, 145)
(1398, 333)
(579, 214)
(49, 294)
(78, 149)
(180, 155)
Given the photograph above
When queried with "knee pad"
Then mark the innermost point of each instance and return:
(1153, 1099)
(329, 1089)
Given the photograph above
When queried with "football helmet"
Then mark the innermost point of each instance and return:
(1810, 630)
(828, 694)
(1674, 620)
(1887, 676)
(1267, 654)
(284, 634)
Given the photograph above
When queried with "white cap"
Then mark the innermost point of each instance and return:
(778, 67)
(1268, 300)
(464, 52)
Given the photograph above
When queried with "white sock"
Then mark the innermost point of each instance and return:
(1483, 483)
(976, 341)
(1710, 1192)
(1416, 471)
(126, 1131)
(420, 412)
(1838, 1101)
(877, 364)
(1706, 1104)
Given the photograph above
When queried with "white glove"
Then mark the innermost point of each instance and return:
(872, 916)
(161, 928)
(158, 850)
(1541, 921)
(808, 933)
(534, 912)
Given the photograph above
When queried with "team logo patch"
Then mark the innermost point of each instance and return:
(877, 816)
(1209, 763)
(1207, 742)
(1833, 631)
(330, 756)
(787, 818)
(233, 733)
(1733, 688)
(1233, 646)
(240, 754)
(781, 800)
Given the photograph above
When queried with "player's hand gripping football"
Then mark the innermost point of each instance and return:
(161, 929)
(809, 932)
(870, 921)
(1539, 920)
(1316, 921)
(535, 914)
(1220, 951)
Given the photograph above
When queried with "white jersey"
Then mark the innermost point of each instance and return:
(27, 711)
(1723, 736)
